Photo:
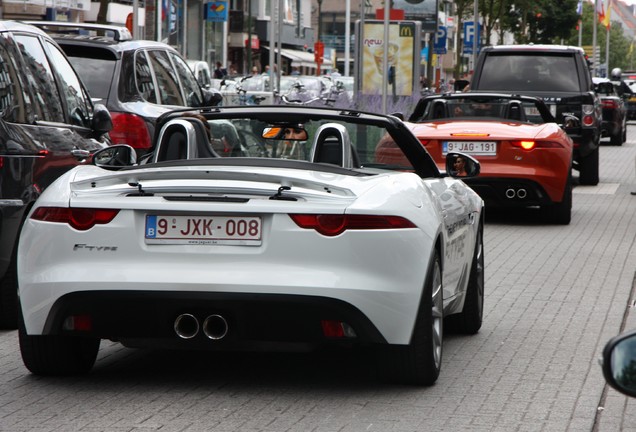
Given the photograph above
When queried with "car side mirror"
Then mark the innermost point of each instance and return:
(619, 363)
(115, 157)
(102, 121)
(460, 165)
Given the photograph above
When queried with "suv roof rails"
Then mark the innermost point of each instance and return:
(116, 33)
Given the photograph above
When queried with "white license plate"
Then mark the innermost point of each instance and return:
(203, 230)
(486, 148)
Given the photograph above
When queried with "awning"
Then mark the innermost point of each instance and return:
(303, 58)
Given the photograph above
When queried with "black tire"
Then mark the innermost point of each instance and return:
(420, 361)
(617, 138)
(57, 355)
(469, 320)
(560, 213)
(9, 297)
(588, 169)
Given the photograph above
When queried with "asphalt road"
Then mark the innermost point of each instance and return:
(554, 296)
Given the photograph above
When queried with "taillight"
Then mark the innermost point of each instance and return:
(609, 103)
(81, 219)
(333, 225)
(529, 144)
(588, 120)
(1, 162)
(424, 142)
(130, 129)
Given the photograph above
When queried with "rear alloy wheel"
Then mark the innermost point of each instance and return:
(588, 169)
(57, 355)
(471, 317)
(420, 361)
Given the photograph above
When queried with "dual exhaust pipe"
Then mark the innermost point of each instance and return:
(520, 193)
(214, 327)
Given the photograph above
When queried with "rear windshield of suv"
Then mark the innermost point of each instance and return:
(95, 66)
(528, 71)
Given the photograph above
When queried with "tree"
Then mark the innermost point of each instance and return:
(540, 21)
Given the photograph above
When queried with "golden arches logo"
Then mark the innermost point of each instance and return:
(406, 31)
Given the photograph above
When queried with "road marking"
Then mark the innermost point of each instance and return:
(599, 189)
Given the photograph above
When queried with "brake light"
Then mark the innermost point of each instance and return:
(424, 142)
(529, 145)
(81, 219)
(588, 120)
(471, 134)
(130, 129)
(332, 225)
(609, 103)
(1, 162)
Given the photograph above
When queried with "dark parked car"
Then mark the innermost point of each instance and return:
(614, 123)
(138, 80)
(560, 75)
(48, 125)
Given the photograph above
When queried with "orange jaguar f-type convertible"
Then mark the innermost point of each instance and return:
(525, 156)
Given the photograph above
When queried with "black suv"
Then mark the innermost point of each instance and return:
(48, 125)
(137, 80)
(561, 77)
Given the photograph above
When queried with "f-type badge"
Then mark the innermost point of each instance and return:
(90, 248)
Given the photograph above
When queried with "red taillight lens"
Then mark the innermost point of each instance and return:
(1, 161)
(337, 329)
(424, 142)
(333, 225)
(529, 144)
(609, 103)
(588, 120)
(81, 219)
(130, 129)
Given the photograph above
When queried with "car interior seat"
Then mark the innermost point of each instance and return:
(332, 145)
(177, 140)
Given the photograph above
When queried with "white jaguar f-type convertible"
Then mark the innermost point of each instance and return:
(261, 228)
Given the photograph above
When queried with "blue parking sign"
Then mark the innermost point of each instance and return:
(439, 46)
(469, 37)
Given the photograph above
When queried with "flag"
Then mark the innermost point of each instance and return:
(579, 8)
(606, 17)
(600, 10)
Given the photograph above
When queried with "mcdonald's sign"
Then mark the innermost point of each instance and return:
(407, 30)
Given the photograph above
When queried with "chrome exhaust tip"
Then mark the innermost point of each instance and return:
(186, 326)
(215, 327)
(522, 193)
(510, 193)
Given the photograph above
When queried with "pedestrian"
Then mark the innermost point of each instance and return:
(220, 72)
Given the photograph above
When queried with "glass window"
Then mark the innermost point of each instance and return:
(529, 71)
(167, 81)
(96, 68)
(189, 83)
(143, 74)
(77, 104)
(48, 105)
(12, 99)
